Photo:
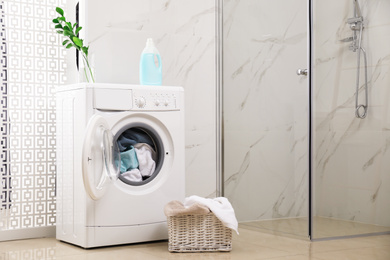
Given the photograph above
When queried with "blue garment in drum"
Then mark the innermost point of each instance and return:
(129, 160)
(133, 136)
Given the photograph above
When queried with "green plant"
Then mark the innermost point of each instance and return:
(71, 31)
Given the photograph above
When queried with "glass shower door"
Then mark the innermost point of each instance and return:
(265, 114)
(351, 155)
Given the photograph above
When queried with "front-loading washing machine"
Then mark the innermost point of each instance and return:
(102, 199)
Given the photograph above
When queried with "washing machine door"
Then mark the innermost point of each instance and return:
(101, 158)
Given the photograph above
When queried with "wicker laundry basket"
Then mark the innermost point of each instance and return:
(198, 233)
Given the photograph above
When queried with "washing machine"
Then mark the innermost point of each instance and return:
(99, 203)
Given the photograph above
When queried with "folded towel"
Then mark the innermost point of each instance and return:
(221, 208)
(176, 208)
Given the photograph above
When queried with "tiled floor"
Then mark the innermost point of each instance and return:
(322, 227)
(250, 244)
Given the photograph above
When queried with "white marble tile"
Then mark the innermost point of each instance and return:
(194, 68)
(200, 163)
(265, 105)
(382, 192)
(195, 18)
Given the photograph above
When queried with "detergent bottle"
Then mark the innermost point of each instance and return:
(150, 72)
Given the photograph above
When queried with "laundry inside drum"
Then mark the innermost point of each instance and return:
(141, 153)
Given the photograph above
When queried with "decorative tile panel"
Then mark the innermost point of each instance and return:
(32, 64)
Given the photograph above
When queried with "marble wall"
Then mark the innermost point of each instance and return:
(184, 34)
(351, 155)
(265, 108)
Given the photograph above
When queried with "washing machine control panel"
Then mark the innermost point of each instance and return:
(154, 100)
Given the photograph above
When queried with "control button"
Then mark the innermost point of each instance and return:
(141, 102)
(166, 102)
(157, 102)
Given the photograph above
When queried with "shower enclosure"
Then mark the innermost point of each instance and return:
(307, 155)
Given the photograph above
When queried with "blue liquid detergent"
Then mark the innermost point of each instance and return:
(150, 65)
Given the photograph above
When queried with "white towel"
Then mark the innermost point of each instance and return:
(133, 175)
(221, 208)
(146, 158)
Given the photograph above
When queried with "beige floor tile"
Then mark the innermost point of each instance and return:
(200, 256)
(383, 240)
(115, 254)
(250, 244)
(349, 243)
(291, 245)
(322, 227)
(27, 244)
(47, 248)
(296, 257)
(28, 249)
(158, 249)
(63, 249)
(371, 253)
(297, 227)
(245, 250)
(241, 250)
(328, 227)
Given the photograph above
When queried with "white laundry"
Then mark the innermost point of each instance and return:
(133, 175)
(221, 208)
(146, 158)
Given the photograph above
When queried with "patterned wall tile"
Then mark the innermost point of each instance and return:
(32, 65)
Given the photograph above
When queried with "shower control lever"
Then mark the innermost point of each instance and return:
(302, 72)
(348, 39)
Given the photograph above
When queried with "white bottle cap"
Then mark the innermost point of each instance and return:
(149, 42)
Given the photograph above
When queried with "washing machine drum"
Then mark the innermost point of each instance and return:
(134, 155)
(141, 154)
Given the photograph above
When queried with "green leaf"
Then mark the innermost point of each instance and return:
(69, 45)
(77, 41)
(55, 20)
(69, 24)
(58, 26)
(66, 28)
(78, 29)
(85, 50)
(74, 25)
(68, 33)
(65, 42)
(60, 32)
(61, 18)
(60, 11)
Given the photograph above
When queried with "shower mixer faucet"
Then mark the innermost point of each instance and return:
(357, 26)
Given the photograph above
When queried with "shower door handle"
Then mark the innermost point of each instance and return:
(302, 72)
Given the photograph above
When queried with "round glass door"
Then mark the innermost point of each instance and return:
(101, 158)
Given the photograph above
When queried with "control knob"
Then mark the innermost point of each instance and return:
(141, 102)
